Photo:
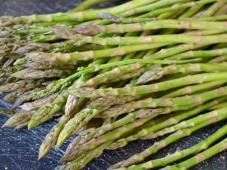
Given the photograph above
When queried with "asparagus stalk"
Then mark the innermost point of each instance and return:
(85, 115)
(18, 119)
(52, 88)
(86, 5)
(203, 145)
(219, 147)
(78, 16)
(106, 128)
(171, 120)
(152, 25)
(112, 135)
(51, 138)
(193, 121)
(168, 140)
(173, 38)
(176, 7)
(158, 72)
(148, 89)
(213, 8)
(48, 111)
(83, 160)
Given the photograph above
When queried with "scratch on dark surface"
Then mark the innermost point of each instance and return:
(19, 148)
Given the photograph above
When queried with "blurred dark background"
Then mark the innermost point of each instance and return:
(18, 149)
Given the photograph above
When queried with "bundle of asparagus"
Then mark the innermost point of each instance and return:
(114, 76)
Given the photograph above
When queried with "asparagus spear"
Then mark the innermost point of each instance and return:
(171, 120)
(17, 119)
(152, 25)
(112, 135)
(77, 16)
(168, 140)
(195, 120)
(148, 89)
(194, 88)
(158, 72)
(52, 88)
(203, 145)
(219, 147)
(85, 115)
(86, 5)
(51, 138)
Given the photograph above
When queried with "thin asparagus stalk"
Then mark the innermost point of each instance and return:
(107, 127)
(112, 135)
(51, 138)
(25, 96)
(71, 103)
(52, 88)
(193, 89)
(220, 105)
(219, 115)
(38, 103)
(203, 145)
(152, 25)
(38, 74)
(48, 111)
(191, 11)
(219, 59)
(149, 7)
(108, 76)
(213, 9)
(81, 163)
(148, 89)
(165, 142)
(176, 7)
(77, 16)
(86, 5)
(85, 115)
(219, 147)
(199, 53)
(130, 40)
(172, 120)
(157, 72)
(73, 58)
(14, 86)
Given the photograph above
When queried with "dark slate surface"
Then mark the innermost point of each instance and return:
(18, 149)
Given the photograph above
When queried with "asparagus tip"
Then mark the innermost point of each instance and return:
(32, 124)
